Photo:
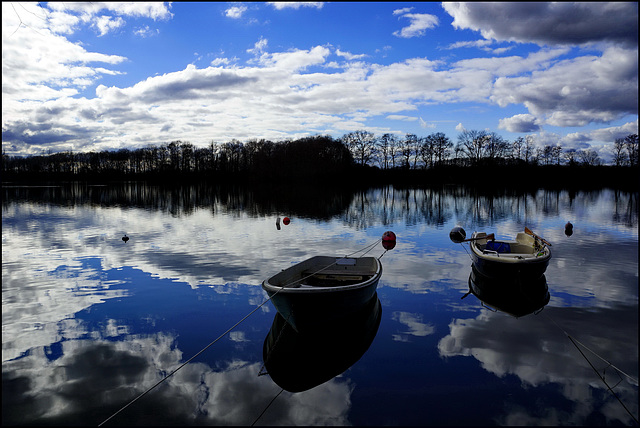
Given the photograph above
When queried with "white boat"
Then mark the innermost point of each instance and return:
(527, 256)
(323, 288)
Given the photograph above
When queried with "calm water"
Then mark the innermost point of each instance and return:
(90, 322)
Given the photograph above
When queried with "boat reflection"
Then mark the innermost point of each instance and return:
(512, 296)
(298, 361)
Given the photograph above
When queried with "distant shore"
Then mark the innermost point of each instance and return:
(497, 176)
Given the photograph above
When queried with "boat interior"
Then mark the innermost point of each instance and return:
(327, 272)
(523, 245)
(334, 278)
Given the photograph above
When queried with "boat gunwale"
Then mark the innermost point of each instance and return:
(311, 289)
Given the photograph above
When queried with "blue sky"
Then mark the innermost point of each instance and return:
(101, 76)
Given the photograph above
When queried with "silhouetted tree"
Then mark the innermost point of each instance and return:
(631, 144)
(619, 156)
(589, 157)
(473, 144)
(441, 146)
(362, 145)
(385, 149)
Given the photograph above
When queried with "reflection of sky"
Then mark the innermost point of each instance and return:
(508, 346)
(74, 292)
(413, 326)
(92, 380)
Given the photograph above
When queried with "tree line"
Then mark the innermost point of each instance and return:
(311, 157)
(474, 148)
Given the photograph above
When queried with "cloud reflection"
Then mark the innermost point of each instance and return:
(93, 379)
(525, 348)
(414, 324)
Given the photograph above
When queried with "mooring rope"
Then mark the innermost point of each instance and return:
(268, 405)
(370, 247)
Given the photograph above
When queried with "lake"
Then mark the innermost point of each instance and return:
(90, 322)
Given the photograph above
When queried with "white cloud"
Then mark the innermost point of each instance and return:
(235, 12)
(153, 10)
(520, 123)
(460, 127)
(349, 56)
(258, 47)
(295, 60)
(55, 67)
(419, 23)
(424, 124)
(145, 32)
(401, 117)
(403, 11)
(483, 44)
(105, 24)
(220, 61)
(472, 43)
(280, 5)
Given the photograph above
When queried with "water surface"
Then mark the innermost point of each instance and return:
(90, 322)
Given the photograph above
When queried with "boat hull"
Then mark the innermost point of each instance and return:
(500, 270)
(305, 307)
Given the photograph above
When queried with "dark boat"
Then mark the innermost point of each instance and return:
(526, 256)
(322, 288)
(298, 361)
(512, 296)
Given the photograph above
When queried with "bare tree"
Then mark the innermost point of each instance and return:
(361, 144)
(556, 153)
(442, 146)
(428, 151)
(516, 148)
(545, 154)
(473, 143)
(631, 143)
(570, 155)
(410, 150)
(495, 146)
(619, 156)
(589, 157)
(528, 149)
(385, 147)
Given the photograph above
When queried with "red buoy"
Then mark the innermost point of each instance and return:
(286, 221)
(388, 240)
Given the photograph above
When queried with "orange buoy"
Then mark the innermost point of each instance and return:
(388, 240)
(286, 221)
